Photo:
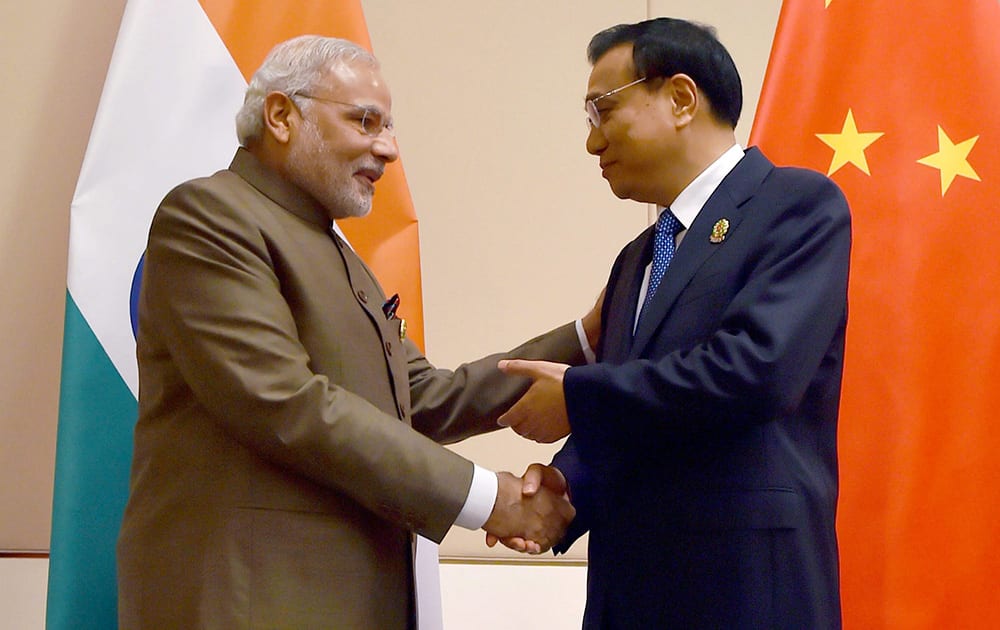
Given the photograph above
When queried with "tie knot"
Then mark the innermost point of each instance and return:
(668, 223)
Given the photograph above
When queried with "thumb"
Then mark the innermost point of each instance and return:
(533, 479)
(538, 475)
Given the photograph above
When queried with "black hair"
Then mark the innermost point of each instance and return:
(663, 47)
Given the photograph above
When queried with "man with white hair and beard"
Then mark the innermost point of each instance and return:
(285, 449)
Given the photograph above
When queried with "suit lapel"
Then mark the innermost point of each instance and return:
(623, 295)
(727, 202)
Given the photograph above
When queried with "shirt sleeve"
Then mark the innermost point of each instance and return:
(588, 352)
(482, 496)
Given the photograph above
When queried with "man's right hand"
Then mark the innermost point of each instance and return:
(530, 514)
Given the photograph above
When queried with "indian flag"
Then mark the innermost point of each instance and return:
(175, 82)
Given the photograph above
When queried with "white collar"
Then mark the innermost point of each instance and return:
(690, 201)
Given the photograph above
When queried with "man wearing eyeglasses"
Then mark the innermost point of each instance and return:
(285, 449)
(702, 452)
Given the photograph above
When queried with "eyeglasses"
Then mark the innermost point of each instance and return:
(594, 116)
(373, 122)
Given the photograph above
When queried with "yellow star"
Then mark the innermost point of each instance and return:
(849, 145)
(828, 4)
(951, 159)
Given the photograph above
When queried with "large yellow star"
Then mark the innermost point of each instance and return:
(951, 159)
(849, 145)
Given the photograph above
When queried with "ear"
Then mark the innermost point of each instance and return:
(280, 114)
(684, 98)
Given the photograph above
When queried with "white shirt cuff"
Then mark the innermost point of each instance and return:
(482, 497)
(588, 352)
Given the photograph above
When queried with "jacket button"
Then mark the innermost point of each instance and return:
(362, 296)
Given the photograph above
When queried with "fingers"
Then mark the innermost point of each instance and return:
(529, 419)
(520, 367)
(516, 543)
(532, 479)
(538, 475)
(530, 524)
(531, 369)
(540, 414)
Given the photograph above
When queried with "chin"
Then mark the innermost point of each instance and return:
(620, 191)
(361, 209)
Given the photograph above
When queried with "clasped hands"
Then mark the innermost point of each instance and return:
(531, 513)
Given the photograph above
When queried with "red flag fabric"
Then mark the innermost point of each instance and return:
(896, 101)
(387, 239)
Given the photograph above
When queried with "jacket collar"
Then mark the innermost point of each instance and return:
(278, 189)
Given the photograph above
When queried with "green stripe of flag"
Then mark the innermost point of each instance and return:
(97, 413)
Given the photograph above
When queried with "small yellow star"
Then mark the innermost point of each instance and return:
(828, 4)
(849, 145)
(951, 159)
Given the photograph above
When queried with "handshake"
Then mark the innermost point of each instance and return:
(531, 513)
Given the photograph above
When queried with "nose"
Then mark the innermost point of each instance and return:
(384, 147)
(596, 142)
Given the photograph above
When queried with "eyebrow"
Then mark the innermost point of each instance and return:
(372, 108)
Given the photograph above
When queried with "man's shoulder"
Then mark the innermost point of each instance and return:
(773, 174)
(221, 201)
(795, 185)
(219, 183)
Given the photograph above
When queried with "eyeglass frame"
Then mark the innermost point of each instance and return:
(590, 105)
(386, 121)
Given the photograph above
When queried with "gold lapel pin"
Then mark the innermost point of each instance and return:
(719, 231)
(402, 329)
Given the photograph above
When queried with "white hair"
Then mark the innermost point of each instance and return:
(291, 67)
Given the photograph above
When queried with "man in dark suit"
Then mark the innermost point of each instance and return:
(285, 448)
(702, 457)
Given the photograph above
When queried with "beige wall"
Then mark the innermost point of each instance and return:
(518, 230)
(54, 57)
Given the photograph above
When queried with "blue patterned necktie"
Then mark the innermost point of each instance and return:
(667, 227)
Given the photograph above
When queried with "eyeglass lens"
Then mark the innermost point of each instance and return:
(373, 123)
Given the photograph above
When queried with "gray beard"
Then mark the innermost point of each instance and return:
(337, 192)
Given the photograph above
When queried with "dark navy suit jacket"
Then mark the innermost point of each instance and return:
(703, 454)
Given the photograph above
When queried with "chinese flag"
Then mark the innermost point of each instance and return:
(897, 101)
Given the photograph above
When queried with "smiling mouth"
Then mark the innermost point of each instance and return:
(371, 174)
